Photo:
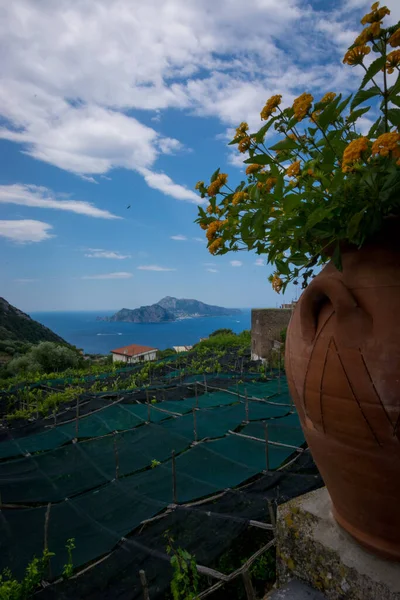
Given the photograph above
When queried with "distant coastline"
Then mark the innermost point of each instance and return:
(81, 329)
(169, 309)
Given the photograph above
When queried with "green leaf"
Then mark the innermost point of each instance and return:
(374, 128)
(391, 187)
(357, 113)
(298, 259)
(363, 95)
(282, 267)
(286, 144)
(291, 202)
(372, 70)
(259, 137)
(329, 114)
(343, 105)
(354, 223)
(337, 258)
(215, 175)
(395, 100)
(394, 116)
(312, 130)
(394, 89)
(316, 216)
(259, 159)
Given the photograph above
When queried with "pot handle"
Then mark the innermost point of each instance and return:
(352, 323)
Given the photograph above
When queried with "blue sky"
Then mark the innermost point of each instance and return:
(105, 105)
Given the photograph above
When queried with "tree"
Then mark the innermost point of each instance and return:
(46, 357)
(222, 331)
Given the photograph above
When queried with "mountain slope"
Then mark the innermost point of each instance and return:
(170, 309)
(187, 307)
(144, 314)
(18, 326)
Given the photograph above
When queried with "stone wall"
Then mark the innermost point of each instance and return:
(266, 325)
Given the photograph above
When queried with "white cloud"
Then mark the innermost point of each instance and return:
(259, 262)
(118, 275)
(200, 240)
(154, 268)
(212, 270)
(72, 76)
(41, 197)
(97, 253)
(25, 231)
(236, 263)
(23, 280)
(179, 238)
(163, 183)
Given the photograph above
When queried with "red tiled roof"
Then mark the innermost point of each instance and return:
(132, 350)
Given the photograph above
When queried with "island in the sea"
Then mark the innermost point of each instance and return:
(170, 309)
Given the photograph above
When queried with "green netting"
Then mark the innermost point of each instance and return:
(72, 469)
(245, 453)
(118, 417)
(35, 443)
(276, 388)
(286, 430)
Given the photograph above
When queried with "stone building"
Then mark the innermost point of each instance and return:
(266, 326)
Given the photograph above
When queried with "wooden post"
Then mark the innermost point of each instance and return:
(248, 586)
(279, 380)
(145, 587)
(195, 393)
(194, 424)
(174, 494)
(266, 448)
(116, 456)
(147, 395)
(46, 533)
(241, 368)
(205, 383)
(246, 405)
(272, 514)
(77, 418)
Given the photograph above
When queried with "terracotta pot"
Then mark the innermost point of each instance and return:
(343, 369)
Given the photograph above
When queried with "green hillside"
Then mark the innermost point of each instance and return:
(19, 327)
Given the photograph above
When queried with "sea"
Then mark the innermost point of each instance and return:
(83, 330)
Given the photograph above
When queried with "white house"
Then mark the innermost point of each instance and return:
(134, 353)
(179, 349)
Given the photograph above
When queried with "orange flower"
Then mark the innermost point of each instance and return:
(387, 143)
(270, 183)
(276, 283)
(239, 197)
(217, 184)
(244, 144)
(353, 152)
(377, 14)
(356, 55)
(394, 39)
(392, 60)
(369, 33)
(294, 169)
(204, 226)
(328, 97)
(270, 107)
(302, 105)
(213, 247)
(253, 169)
